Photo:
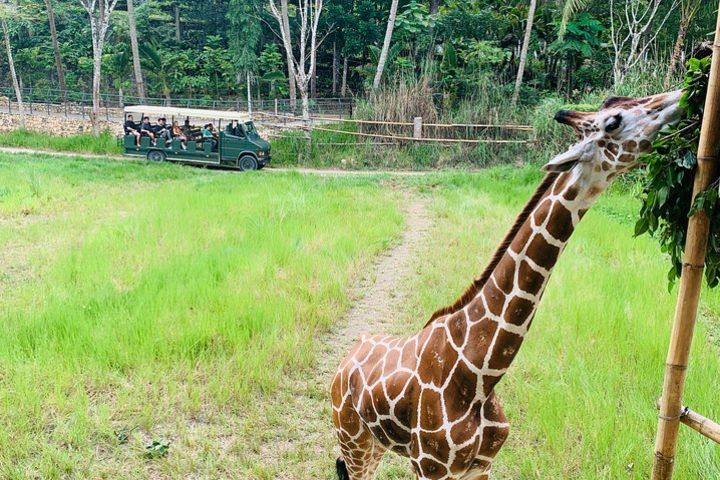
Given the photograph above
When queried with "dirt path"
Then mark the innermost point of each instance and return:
(299, 442)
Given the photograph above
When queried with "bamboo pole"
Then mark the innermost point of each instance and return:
(699, 423)
(691, 280)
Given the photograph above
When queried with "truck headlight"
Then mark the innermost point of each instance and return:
(260, 153)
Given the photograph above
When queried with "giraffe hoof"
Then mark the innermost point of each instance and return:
(341, 469)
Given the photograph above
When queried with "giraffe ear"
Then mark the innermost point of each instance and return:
(580, 152)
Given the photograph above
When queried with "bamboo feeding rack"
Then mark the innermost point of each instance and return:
(672, 412)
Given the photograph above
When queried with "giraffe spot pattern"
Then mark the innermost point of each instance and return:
(431, 396)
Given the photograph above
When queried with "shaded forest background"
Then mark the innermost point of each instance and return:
(457, 50)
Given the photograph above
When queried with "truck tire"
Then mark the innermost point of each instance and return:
(156, 156)
(247, 162)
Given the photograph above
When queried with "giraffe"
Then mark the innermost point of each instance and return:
(430, 396)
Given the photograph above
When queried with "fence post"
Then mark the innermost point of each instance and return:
(417, 127)
(691, 279)
(276, 107)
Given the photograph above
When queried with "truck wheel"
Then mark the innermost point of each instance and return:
(247, 162)
(156, 156)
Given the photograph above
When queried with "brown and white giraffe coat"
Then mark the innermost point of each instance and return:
(430, 396)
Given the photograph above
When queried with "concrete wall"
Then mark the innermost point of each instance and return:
(55, 125)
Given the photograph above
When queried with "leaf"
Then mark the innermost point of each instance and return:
(157, 449)
(641, 226)
(570, 8)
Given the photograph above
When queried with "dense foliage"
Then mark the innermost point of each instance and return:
(668, 186)
(465, 47)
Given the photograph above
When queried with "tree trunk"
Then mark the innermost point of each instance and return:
(56, 47)
(99, 23)
(249, 96)
(306, 111)
(137, 69)
(178, 31)
(313, 84)
(434, 6)
(677, 50)
(13, 74)
(289, 54)
(343, 87)
(386, 44)
(97, 67)
(523, 51)
(335, 67)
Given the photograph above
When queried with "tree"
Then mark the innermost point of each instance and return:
(56, 47)
(99, 12)
(633, 31)
(7, 12)
(386, 44)
(688, 10)
(523, 51)
(310, 12)
(160, 69)
(137, 69)
(244, 36)
(570, 8)
(283, 19)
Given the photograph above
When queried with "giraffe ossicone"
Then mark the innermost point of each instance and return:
(430, 396)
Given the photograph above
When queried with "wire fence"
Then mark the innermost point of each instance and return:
(345, 131)
(76, 103)
(331, 118)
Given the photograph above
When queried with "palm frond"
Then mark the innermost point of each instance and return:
(570, 8)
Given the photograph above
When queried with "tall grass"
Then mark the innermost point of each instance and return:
(106, 143)
(142, 295)
(400, 101)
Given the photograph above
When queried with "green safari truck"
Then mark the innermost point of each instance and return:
(220, 138)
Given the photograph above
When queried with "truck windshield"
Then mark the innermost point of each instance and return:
(250, 128)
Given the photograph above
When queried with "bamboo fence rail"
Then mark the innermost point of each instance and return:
(414, 139)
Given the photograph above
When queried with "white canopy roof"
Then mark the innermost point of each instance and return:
(188, 112)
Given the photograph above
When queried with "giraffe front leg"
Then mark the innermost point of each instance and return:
(495, 430)
(361, 456)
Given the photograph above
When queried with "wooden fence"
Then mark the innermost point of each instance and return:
(395, 133)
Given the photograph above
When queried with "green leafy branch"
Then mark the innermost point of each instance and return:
(667, 188)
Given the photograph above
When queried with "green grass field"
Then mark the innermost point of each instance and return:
(150, 302)
(106, 143)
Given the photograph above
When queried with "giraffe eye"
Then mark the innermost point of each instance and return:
(613, 123)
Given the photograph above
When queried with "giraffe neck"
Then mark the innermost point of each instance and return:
(500, 315)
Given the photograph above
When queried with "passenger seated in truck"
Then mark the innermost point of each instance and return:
(178, 133)
(208, 135)
(162, 131)
(235, 129)
(131, 128)
(147, 129)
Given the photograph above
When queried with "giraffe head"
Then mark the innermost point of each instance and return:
(611, 140)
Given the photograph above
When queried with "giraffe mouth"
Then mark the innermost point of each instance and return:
(566, 167)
